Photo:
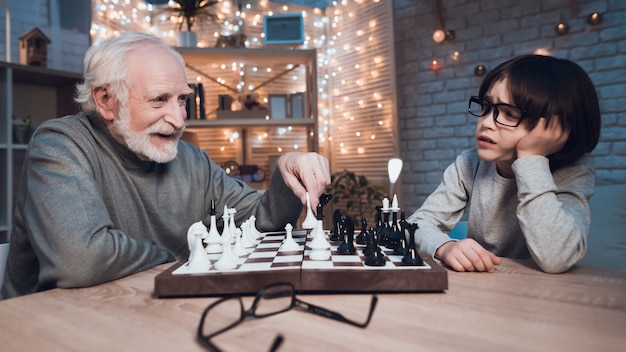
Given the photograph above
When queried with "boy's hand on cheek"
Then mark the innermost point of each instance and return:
(543, 140)
(467, 255)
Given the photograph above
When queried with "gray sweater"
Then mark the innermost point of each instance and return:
(89, 211)
(538, 214)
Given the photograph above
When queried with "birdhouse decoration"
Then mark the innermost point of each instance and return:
(34, 48)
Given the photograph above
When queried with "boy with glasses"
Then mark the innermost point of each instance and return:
(527, 183)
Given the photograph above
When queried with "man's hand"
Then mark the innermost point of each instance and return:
(467, 255)
(305, 172)
(543, 140)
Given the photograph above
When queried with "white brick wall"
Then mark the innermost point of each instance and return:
(432, 106)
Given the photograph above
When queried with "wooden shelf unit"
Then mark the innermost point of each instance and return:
(265, 71)
(27, 92)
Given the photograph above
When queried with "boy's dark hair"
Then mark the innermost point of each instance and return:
(545, 86)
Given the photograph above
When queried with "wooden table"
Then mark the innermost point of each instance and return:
(516, 308)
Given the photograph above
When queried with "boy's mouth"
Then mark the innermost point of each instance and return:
(485, 139)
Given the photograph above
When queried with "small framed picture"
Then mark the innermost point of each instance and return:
(297, 106)
(277, 104)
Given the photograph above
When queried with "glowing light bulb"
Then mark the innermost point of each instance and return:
(439, 36)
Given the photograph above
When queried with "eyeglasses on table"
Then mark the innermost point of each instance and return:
(228, 312)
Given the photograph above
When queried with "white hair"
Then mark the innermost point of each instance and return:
(104, 66)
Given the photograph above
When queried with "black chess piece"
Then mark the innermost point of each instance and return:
(362, 237)
(385, 230)
(335, 233)
(369, 242)
(401, 247)
(394, 233)
(325, 198)
(319, 211)
(347, 246)
(411, 257)
(398, 235)
(379, 218)
(376, 257)
(212, 212)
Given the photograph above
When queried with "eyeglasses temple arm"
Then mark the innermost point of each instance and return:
(334, 315)
(278, 340)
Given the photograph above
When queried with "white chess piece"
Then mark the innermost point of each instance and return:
(199, 260)
(395, 208)
(318, 230)
(228, 259)
(253, 229)
(289, 244)
(226, 235)
(213, 239)
(385, 204)
(232, 227)
(310, 220)
(195, 228)
(239, 249)
(320, 248)
(247, 238)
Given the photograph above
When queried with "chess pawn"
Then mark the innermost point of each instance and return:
(320, 248)
(253, 229)
(347, 246)
(247, 237)
(310, 220)
(239, 249)
(362, 237)
(318, 230)
(369, 242)
(199, 260)
(289, 244)
(227, 260)
(376, 257)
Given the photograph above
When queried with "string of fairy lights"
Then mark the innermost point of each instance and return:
(322, 32)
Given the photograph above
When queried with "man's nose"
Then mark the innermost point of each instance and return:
(176, 115)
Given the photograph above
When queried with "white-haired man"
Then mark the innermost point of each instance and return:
(111, 191)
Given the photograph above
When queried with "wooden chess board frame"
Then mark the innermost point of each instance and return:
(307, 277)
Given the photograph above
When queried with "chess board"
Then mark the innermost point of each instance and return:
(266, 263)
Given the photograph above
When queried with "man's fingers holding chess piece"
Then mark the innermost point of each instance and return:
(305, 172)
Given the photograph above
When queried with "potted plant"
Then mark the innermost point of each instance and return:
(355, 196)
(189, 13)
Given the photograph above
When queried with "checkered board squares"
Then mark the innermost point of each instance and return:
(265, 255)
(266, 263)
(357, 261)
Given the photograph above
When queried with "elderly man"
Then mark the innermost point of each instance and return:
(111, 191)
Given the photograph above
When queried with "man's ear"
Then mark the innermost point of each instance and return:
(107, 106)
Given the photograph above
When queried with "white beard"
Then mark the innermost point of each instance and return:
(139, 142)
